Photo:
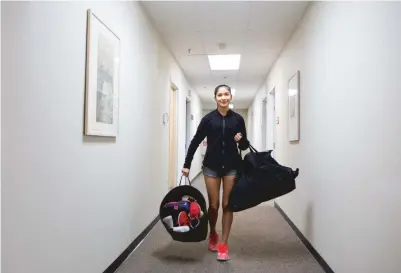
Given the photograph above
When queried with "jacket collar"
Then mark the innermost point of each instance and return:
(229, 113)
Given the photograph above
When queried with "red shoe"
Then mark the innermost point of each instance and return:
(222, 252)
(213, 240)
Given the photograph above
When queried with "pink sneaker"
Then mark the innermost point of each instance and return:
(213, 240)
(222, 252)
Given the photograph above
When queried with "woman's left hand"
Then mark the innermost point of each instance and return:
(238, 137)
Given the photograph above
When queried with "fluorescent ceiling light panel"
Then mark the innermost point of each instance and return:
(224, 62)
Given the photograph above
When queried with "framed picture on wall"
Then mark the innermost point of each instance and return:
(293, 107)
(102, 79)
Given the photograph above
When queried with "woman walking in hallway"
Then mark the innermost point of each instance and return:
(225, 131)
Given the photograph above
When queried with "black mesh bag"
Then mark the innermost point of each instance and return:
(183, 213)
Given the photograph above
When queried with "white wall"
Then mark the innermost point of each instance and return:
(0, 154)
(255, 118)
(348, 198)
(196, 110)
(72, 203)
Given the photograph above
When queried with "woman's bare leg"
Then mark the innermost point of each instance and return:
(228, 183)
(213, 193)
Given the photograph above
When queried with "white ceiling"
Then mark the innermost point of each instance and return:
(256, 30)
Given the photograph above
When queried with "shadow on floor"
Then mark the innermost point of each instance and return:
(177, 252)
(261, 241)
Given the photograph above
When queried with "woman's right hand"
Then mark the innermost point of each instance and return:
(185, 172)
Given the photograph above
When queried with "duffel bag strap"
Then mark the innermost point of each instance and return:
(189, 181)
(251, 148)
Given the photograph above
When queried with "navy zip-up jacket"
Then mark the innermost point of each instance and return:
(222, 151)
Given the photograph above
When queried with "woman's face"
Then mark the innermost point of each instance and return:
(223, 97)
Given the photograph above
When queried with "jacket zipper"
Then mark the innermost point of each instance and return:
(224, 128)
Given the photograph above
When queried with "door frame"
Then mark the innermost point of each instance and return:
(188, 122)
(274, 120)
(264, 123)
(172, 160)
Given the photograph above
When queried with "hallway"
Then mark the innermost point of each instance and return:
(100, 101)
(261, 241)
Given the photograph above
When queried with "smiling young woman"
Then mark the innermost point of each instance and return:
(226, 133)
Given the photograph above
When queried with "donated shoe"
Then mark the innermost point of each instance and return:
(213, 240)
(222, 252)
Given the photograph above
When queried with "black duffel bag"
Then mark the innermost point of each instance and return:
(261, 179)
(183, 213)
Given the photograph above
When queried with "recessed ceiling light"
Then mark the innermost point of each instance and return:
(224, 62)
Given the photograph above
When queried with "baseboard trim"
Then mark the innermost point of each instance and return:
(123, 256)
(305, 241)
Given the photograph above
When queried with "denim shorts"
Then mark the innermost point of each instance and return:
(212, 173)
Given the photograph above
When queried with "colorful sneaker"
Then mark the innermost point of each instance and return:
(213, 240)
(222, 252)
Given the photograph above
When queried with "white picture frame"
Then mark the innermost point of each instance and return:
(102, 79)
(294, 107)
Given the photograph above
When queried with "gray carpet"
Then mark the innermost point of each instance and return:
(260, 241)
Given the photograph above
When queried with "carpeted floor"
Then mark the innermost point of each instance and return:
(261, 241)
